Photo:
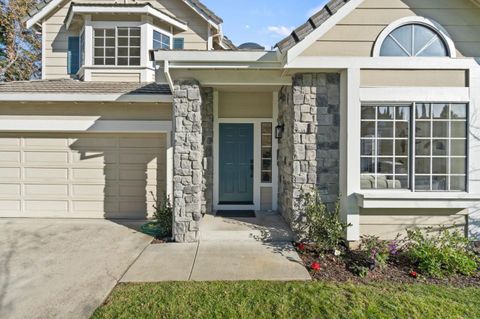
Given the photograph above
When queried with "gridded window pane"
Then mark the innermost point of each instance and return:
(458, 111)
(385, 147)
(413, 40)
(104, 42)
(160, 41)
(128, 46)
(266, 151)
(458, 183)
(459, 129)
(440, 153)
(385, 129)
(368, 129)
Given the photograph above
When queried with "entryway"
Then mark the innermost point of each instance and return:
(236, 164)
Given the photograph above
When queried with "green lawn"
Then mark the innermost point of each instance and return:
(289, 300)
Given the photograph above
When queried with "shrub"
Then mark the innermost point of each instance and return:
(376, 251)
(323, 226)
(163, 216)
(440, 254)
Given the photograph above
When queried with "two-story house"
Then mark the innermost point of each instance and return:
(375, 101)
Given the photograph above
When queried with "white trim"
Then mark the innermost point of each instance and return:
(80, 124)
(316, 34)
(275, 153)
(116, 24)
(416, 20)
(218, 56)
(417, 200)
(409, 94)
(256, 160)
(421, 63)
(88, 45)
(350, 131)
(42, 13)
(203, 15)
(169, 166)
(85, 97)
(44, 50)
(216, 141)
(129, 10)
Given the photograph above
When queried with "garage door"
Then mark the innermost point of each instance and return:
(81, 175)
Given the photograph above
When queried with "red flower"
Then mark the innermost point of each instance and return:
(413, 274)
(315, 266)
(301, 247)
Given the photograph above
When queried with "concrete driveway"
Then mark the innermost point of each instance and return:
(62, 268)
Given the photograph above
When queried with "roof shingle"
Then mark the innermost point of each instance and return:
(67, 86)
(312, 23)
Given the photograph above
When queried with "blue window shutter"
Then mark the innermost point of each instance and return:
(73, 57)
(178, 43)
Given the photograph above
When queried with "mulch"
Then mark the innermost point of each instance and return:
(398, 270)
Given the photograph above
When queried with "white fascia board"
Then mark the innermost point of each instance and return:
(310, 39)
(409, 94)
(79, 124)
(217, 56)
(56, 97)
(203, 15)
(335, 63)
(416, 200)
(130, 10)
(42, 13)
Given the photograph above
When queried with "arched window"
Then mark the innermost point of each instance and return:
(414, 40)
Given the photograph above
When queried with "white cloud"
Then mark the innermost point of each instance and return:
(280, 30)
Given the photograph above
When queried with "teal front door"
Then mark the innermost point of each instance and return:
(236, 164)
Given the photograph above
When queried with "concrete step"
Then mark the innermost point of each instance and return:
(265, 227)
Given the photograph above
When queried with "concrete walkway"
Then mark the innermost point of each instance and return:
(241, 249)
(62, 268)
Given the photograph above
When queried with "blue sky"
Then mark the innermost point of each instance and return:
(263, 21)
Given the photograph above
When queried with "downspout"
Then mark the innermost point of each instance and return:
(166, 71)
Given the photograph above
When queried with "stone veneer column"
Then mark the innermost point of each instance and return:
(309, 149)
(192, 110)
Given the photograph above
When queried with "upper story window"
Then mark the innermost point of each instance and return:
(116, 46)
(160, 41)
(414, 40)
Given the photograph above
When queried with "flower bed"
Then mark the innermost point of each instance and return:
(398, 269)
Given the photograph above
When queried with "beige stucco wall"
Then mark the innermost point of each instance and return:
(356, 34)
(388, 223)
(196, 37)
(412, 78)
(105, 111)
(245, 105)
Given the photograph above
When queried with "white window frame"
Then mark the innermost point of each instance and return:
(432, 24)
(412, 149)
(164, 32)
(116, 57)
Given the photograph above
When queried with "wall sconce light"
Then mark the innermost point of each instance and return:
(279, 131)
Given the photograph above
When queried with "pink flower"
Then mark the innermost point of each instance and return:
(301, 247)
(315, 266)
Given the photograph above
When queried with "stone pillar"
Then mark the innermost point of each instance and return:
(309, 150)
(189, 178)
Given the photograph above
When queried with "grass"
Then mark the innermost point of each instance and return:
(289, 300)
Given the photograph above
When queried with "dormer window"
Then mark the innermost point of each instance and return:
(117, 46)
(160, 41)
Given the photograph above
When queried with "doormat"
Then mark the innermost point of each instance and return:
(236, 213)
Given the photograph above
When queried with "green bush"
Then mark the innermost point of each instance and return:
(441, 254)
(323, 226)
(376, 251)
(162, 226)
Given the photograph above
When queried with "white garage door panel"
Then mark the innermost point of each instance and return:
(81, 175)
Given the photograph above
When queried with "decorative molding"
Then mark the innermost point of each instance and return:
(412, 94)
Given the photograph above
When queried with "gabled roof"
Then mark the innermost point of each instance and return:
(66, 86)
(312, 23)
(195, 4)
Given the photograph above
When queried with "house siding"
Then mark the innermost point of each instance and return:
(356, 34)
(245, 105)
(414, 78)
